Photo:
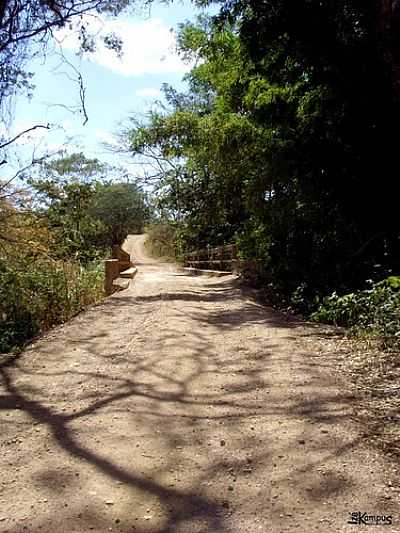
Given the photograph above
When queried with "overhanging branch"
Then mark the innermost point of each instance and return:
(47, 127)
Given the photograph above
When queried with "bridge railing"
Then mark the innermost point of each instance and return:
(118, 271)
(223, 258)
(218, 258)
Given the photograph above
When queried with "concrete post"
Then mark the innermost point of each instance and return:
(111, 273)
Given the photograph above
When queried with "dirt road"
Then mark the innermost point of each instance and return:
(181, 405)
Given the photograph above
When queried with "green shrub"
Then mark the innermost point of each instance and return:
(36, 296)
(375, 311)
(161, 240)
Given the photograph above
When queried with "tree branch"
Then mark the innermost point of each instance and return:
(47, 127)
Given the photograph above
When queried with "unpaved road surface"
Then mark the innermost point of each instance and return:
(182, 405)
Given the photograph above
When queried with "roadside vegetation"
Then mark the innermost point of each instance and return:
(283, 144)
(55, 231)
(161, 241)
(374, 311)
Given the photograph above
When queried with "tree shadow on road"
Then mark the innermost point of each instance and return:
(184, 400)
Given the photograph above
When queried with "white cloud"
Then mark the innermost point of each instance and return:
(58, 147)
(148, 46)
(68, 127)
(106, 137)
(30, 138)
(148, 92)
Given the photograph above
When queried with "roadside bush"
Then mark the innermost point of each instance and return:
(374, 311)
(161, 240)
(36, 296)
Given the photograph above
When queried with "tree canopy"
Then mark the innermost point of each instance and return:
(27, 25)
(285, 142)
(86, 206)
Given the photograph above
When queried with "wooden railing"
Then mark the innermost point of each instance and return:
(219, 258)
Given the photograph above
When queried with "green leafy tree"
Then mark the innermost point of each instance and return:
(85, 211)
(285, 142)
(202, 142)
(64, 195)
(321, 83)
(121, 208)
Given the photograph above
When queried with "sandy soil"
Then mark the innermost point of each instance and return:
(183, 405)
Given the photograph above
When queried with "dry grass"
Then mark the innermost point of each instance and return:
(373, 367)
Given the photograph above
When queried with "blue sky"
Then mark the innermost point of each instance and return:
(114, 88)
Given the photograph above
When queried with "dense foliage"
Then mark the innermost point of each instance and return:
(375, 310)
(285, 143)
(85, 211)
(120, 209)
